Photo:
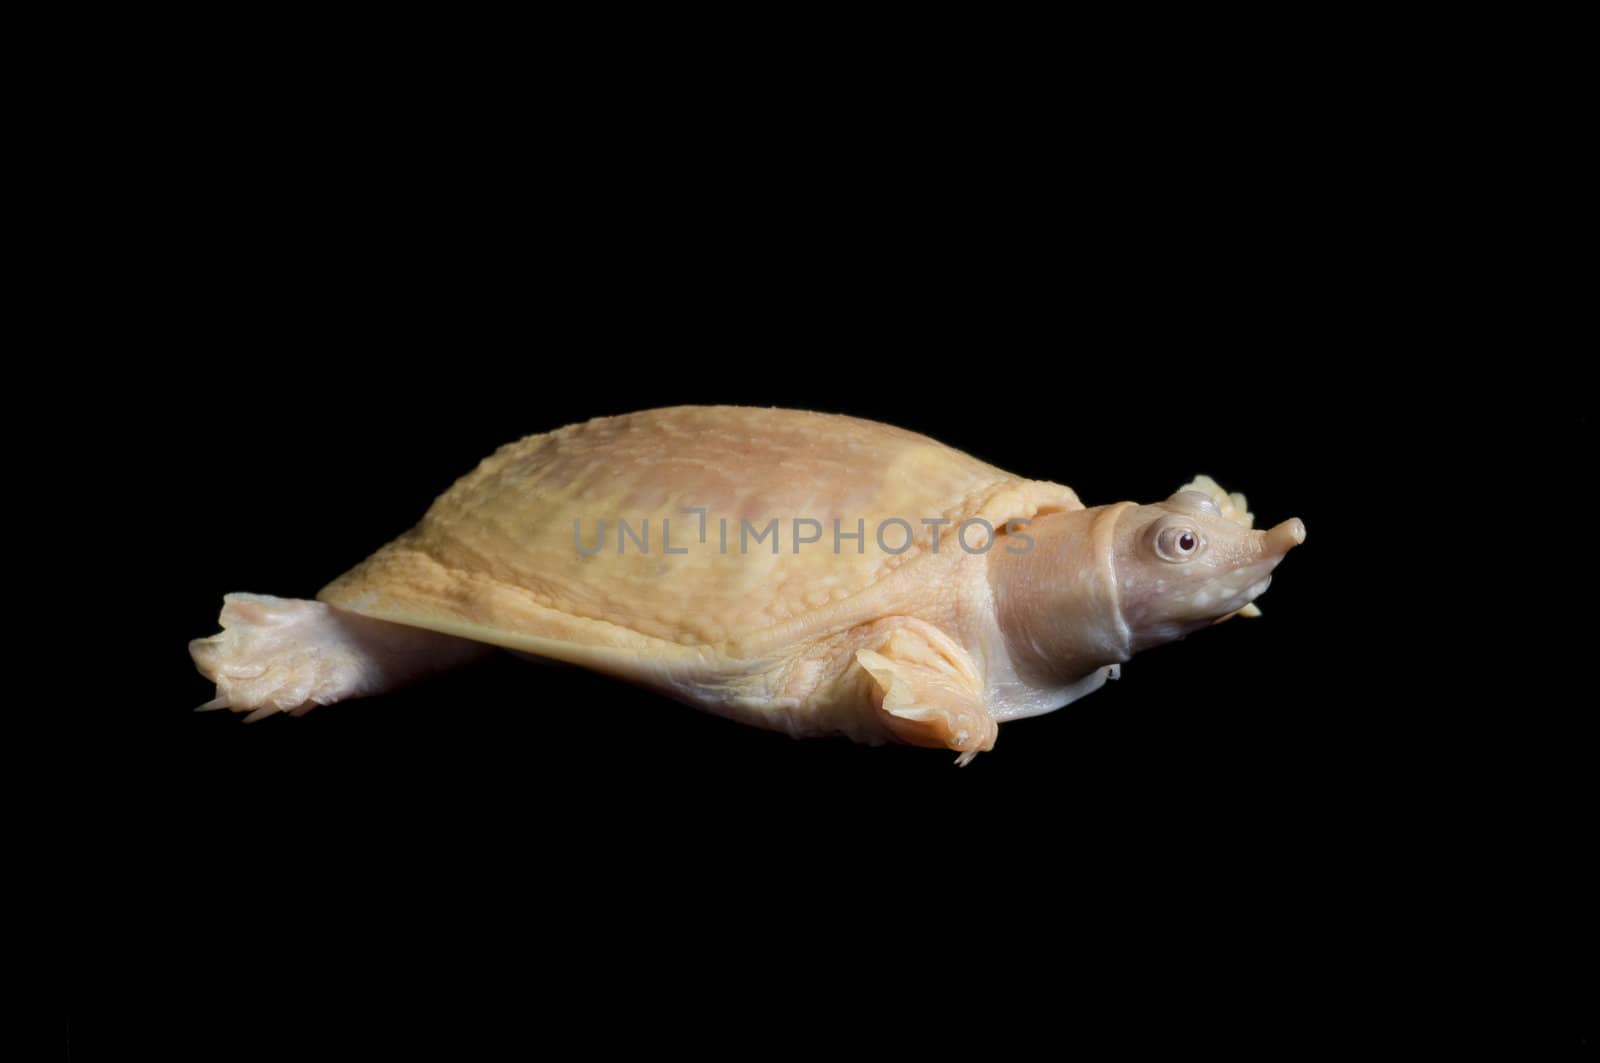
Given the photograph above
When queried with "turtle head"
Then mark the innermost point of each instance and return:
(1099, 585)
(1185, 563)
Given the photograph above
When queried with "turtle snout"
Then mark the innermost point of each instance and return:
(1282, 538)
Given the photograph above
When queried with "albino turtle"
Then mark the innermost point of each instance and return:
(805, 572)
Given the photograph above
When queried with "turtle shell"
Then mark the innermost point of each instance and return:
(508, 554)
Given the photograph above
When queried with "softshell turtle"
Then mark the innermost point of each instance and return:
(805, 572)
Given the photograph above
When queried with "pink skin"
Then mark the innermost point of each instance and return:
(1102, 584)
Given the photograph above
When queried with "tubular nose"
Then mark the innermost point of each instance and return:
(1284, 537)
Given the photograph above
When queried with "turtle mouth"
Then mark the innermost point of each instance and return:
(1255, 590)
(1235, 590)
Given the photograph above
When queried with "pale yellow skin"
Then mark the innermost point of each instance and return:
(924, 646)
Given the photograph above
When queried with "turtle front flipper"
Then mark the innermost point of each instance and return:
(928, 695)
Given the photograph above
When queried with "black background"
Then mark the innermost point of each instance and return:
(346, 315)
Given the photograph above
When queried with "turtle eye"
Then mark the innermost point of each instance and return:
(1178, 542)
